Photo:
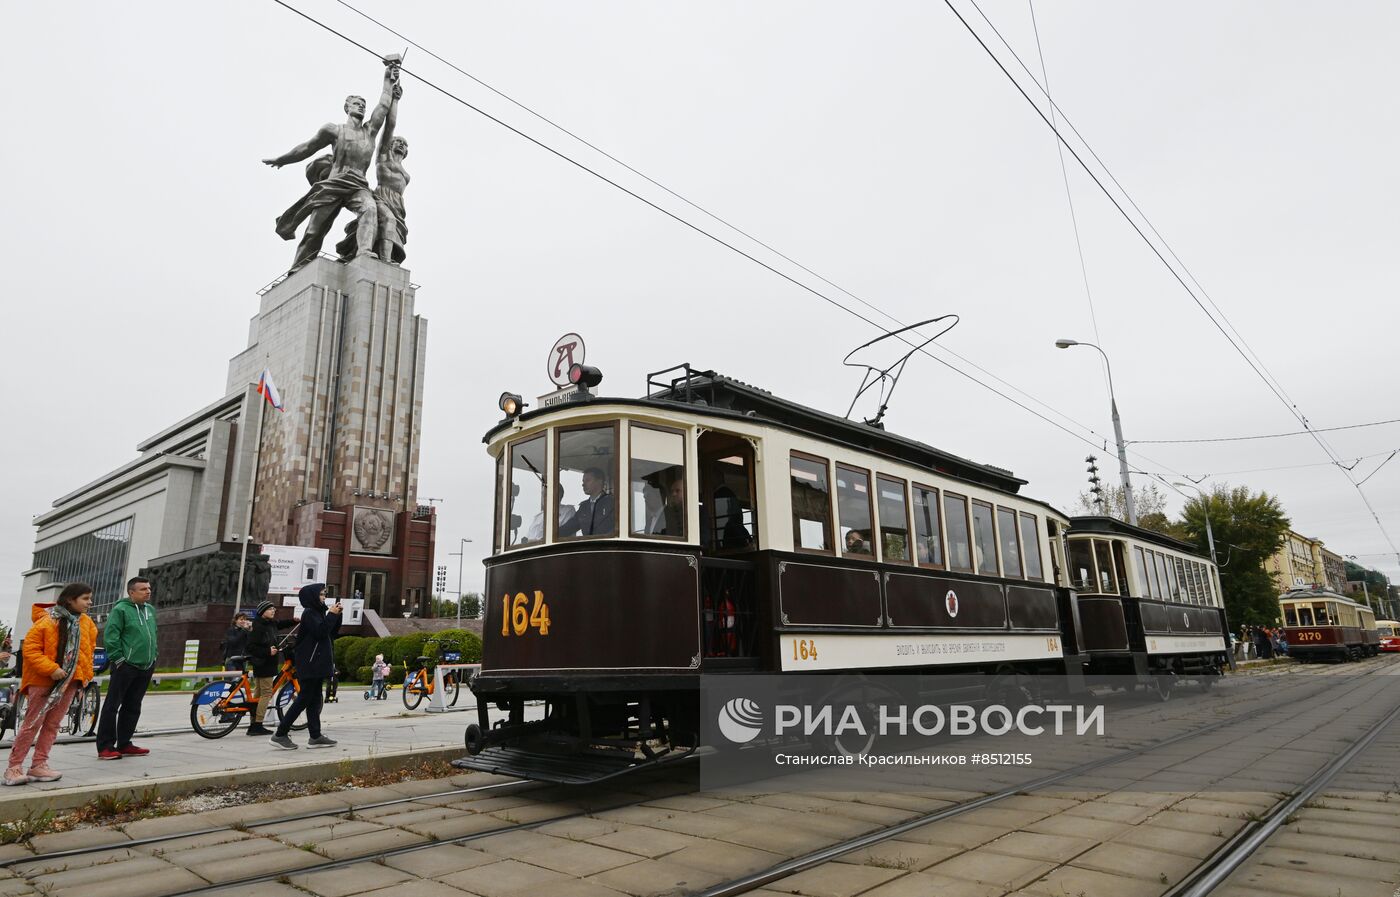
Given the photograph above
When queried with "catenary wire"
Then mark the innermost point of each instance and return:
(734, 227)
(1276, 390)
(1374, 423)
(447, 93)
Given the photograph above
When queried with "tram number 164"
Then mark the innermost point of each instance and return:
(515, 618)
(804, 649)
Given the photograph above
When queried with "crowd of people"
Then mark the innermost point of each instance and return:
(56, 657)
(1259, 643)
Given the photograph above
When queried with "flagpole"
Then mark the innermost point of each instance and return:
(252, 494)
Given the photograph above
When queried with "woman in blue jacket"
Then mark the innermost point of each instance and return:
(314, 665)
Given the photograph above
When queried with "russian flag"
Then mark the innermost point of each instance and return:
(268, 390)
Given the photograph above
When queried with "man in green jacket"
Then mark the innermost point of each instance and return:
(130, 639)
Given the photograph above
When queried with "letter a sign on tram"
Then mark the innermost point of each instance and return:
(567, 352)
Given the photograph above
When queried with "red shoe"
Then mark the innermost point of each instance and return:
(109, 754)
(132, 750)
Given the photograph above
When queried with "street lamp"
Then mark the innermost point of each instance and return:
(461, 562)
(1117, 430)
(1205, 509)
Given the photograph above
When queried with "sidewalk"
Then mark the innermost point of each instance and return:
(369, 732)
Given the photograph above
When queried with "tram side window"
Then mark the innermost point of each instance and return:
(1173, 580)
(1082, 575)
(1010, 545)
(1193, 582)
(894, 520)
(984, 538)
(1321, 615)
(527, 492)
(1156, 580)
(1305, 617)
(928, 540)
(853, 508)
(959, 540)
(811, 504)
(1290, 616)
(1103, 553)
(1144, 574)
(585, 486)
(657, 475)
(1030, 547)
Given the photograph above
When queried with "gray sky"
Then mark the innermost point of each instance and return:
(877, 145)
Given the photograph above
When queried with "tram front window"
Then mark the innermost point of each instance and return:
(527, 492)
(658, 482)
(894, 519)
(984, 538)
(586, 471)
(1305, 617)
(1081, 564)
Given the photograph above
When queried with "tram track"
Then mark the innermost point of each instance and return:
(1201, 883)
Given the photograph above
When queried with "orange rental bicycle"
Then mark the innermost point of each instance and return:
(419, 682)
(217, 707)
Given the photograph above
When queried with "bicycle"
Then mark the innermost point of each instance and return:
(419, 683)
(82, 713)
(217, 707)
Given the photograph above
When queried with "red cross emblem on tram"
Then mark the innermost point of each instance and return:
(950, 601)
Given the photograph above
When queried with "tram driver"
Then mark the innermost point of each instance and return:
(594, 515)
(669, 520)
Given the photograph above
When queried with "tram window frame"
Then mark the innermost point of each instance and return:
(966, 515)
(1173, 576)
(1012, 547)
(612, 474)
(903, 489)
(978, 551)
(632, 427)
(1143, 576)
(499, 503)
(1090, 582)
(1200, 574)
(938, 554)
(1022, 518)
(545, 487)
(852, 470)
(827, 528)
(1154, 581)
(1290, 615)
(1108, 586)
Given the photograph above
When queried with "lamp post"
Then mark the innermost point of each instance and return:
(461, 562)
(1205, 509)
(1117, 430)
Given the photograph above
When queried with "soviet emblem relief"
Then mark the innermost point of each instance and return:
(373, 529)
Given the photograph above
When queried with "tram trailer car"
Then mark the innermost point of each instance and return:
(1149, 605)
(1319, 624)
(714, 528)
(1388, 631)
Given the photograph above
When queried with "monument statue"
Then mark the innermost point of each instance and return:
(391, 182)
(343, 184)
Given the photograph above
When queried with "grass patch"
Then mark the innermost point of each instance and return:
(20, 831)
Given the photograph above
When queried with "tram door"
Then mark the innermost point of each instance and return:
(728, 535)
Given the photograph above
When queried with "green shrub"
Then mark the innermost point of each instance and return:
(464, 641)
(408, 649)
(363, 674)
(360, 654)
(340, 650)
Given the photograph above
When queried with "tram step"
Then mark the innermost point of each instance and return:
(563, 769)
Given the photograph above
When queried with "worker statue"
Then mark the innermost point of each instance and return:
(391, 180)
(338, 180)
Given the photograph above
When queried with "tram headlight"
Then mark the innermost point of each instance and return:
(510, 404)
(582, 376)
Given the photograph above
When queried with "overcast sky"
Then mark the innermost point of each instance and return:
(878, 145)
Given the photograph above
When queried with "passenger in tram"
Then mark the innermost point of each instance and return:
(856, 543)
(595, 515)
(536, 531)
(669, 519)
(729, 520)
(922, 550)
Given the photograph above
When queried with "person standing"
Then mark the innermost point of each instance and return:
(266, 659)
(58, 664)
(314, 665)
(236, 640)
(130, 639)
(378, 672)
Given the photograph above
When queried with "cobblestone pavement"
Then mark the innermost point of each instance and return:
(1133, 828)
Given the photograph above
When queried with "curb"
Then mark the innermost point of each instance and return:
(26, 804)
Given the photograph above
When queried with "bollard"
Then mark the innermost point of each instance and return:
(436, 705)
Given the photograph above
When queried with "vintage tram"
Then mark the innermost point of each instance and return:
(1388, 634)
(713, 528)
(1320, 624)
(1149, 605)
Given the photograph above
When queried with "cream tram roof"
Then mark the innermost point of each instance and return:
(1311, 595)
(713, 395)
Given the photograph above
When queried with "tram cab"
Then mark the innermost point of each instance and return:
(711, 528)
(1388, 635)
(1149, 605)
(1320, 624)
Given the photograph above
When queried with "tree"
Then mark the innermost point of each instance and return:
(1249, 529)
(444, 606)
(471, 606)
(1149, 501)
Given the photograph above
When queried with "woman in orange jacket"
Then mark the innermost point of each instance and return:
(57, 664)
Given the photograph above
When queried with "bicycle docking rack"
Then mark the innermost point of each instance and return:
(436, 703)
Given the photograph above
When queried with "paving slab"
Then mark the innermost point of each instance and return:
(988, 867)
(1040, 846)
(900, 854)
(420, 889)
(925, 884)
(836, 880)
(370, 842)
(635, 839)
(443, 859)
(350, 880)
(1305, 882)
(1171, 840)
(1137, 862)
(724, 858)
(651, 878)
(1073, 880)
(501, 879)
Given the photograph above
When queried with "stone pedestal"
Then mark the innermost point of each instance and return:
(347, 353)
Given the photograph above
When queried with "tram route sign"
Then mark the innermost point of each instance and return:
(566, 352)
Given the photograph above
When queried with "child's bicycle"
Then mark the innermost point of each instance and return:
(217, 707)
(419, 682)
(377, 691)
